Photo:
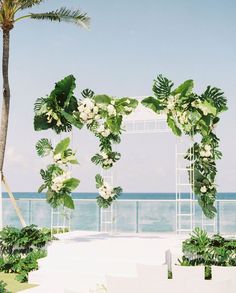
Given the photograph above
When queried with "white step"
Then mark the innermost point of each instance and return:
(66, 279)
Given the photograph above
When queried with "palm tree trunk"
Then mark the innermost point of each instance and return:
(6, 97)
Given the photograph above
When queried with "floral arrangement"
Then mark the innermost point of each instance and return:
(106, 192)
(57, 177)
(196, 116)
(101, 114)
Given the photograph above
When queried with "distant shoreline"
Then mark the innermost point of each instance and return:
(125, 195)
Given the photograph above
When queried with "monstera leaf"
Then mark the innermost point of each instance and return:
(184, 89)
(64, 91)
(153, 104)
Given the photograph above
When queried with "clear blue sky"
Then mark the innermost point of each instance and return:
(129, 43)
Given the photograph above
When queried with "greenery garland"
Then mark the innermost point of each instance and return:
(101, 114)
(57, 177)
(193, 115)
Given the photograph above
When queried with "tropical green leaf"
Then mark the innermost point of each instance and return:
(184, 89)
(162, 87)
(40, 106)
(72, 120)
(64, 90)
(114, 123)
(42, 187)
(68, 202)
(41, 123)
(62, 146)
(71, 183)
(153, 104)
(172, 124)
(99, 180)
(44, 147)
(216, 96)
(87, 93)
(102, 99)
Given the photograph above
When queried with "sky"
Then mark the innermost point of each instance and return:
(128, 44)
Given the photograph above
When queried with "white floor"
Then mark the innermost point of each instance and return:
(80, 260)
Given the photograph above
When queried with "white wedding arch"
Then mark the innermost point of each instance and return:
(144, 121)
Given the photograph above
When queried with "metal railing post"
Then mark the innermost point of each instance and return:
(137, 217)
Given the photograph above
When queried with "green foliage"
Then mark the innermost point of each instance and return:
(63, 14)
(162, 87)
(101, 114)
(107, 195)
(44, 147)
(16, 241)
(200, 249)
(21, 248)
(194, 115)
(57, 179)
(62, 146)
(50, 111)
(3, 288)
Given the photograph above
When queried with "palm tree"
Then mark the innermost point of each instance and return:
(8, 18)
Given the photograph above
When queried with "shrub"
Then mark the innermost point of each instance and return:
(200, 249)
(21, 248)
(3, 287)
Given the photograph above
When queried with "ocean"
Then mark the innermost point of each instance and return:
(123, 196)
(135, 212)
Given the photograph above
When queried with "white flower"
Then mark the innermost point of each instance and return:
(57, 157)
(183, 118)
(171, 103)
(88, 103)
(128, 101)
(104, 155)
(95, 109)
(205, 159)
(90, 115)
(84, 116)
(100, 128)
(207, 147)
(113, 102)
(106, 133)
(208, 154)
(97, 117)
(203, 189)
(111, 110)
(81, 108)
(56, 186)
(87, 110)
(202, 153)
(128, 109)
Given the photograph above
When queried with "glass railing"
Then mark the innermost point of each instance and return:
(131, 216)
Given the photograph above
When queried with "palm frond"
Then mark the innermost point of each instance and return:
(64, 14)
(24, 4)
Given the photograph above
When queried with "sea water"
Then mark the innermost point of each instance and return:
(133, 212)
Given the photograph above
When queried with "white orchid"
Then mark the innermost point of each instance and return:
(207, 147)
(203, 189)
(111, 110)
(171, 103)
(106, 191)
(57, 158)
(104, 155)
